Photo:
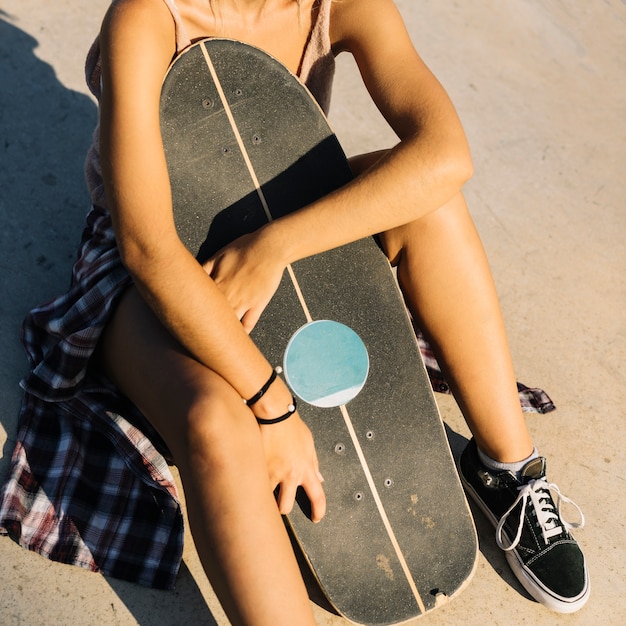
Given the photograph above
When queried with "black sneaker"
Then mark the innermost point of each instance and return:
(529, 528)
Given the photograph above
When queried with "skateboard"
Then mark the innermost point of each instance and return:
(245, 143)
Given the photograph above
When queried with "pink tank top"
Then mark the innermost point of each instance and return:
(316, 71)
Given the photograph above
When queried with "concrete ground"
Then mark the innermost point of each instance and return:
(540, 88)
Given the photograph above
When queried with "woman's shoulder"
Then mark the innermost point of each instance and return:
(137, 19)
(352, 22)
(139, 34)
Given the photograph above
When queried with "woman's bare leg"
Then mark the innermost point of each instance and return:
(237, 529)
(446, 280)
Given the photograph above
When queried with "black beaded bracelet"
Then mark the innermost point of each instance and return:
(261, 392)
(291, 409)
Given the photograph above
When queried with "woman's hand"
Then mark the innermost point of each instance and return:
(248, 272)
(292, 463)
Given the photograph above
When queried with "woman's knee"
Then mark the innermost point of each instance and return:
(195, 410)
(213, 425)
(396, 240)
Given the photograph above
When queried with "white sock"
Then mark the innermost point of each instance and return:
(515, 468)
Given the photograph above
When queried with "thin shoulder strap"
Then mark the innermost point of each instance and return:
(318, 44)
(182, 39)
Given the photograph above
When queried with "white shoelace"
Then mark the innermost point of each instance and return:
(549, 519)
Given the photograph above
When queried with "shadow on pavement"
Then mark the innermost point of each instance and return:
(183, 606)
(45, 131)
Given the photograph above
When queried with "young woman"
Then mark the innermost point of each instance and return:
(145, 323)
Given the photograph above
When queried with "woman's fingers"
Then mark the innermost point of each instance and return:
(317, 497)
(312, 486)
(292, 463)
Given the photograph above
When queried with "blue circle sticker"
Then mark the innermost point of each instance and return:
(326, 363)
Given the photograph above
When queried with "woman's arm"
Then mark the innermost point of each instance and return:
(428, 166)
(137, 44)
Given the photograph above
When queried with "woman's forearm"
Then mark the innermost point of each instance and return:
(402, 185)
(196, 313)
